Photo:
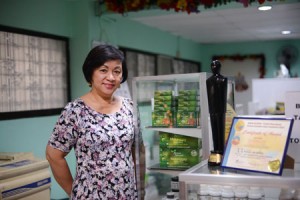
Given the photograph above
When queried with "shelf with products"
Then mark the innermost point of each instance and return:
(143, 96)
(143, 93)
(271, 185)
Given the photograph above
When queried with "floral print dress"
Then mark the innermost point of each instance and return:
(102, 145)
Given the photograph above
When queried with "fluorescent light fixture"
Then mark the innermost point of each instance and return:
(264, 8)
(285, 32)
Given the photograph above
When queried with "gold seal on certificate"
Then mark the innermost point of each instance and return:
(274, 165)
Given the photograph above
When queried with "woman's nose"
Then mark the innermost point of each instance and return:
(110, 76)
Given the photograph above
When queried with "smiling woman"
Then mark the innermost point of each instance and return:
(99, 126)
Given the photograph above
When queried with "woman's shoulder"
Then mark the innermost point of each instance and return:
(127, 101)
(74, 105)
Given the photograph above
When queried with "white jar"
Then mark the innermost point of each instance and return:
(255, 193)
(241, 193)
(203, 193)
(227, 193)
(297, 195)
(214, 192)
(286, 194)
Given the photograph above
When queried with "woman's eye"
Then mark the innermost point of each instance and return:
(103, 70)
(117, 72)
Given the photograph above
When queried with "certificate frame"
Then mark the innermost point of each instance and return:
(258, 144)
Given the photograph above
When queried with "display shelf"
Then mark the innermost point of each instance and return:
(169, 171)
(192, 132)
(143, 90)
(204, 174)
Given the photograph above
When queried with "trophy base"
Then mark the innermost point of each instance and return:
(214, 159)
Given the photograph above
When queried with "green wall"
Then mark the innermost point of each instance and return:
(76, 19)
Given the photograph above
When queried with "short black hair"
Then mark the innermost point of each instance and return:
(98, 56)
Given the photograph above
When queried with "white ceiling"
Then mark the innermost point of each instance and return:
(230, 24)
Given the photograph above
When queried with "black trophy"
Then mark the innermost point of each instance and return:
(217, 98)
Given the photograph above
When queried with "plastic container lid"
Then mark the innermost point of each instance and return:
(297, 195)
(255, 193)
(227, 191)
(214, 190)
(170, 195)
(241, 191)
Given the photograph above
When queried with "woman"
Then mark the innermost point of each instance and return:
(100, 128)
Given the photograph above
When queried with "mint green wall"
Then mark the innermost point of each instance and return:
(76, 20)
(268, 48)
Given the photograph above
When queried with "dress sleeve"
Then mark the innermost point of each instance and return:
(64, 135)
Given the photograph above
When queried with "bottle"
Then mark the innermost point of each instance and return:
(203, 192)
(227, 193)
(175, 186)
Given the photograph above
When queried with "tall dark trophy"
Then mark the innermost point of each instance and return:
(217, 99)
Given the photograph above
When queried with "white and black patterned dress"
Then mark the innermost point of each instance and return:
(102, 144)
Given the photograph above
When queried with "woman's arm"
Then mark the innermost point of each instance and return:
(60, 168)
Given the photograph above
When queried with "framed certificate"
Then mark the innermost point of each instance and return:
(257, 144)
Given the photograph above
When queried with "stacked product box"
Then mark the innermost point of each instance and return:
(178, 151)
(163, 112)
(188, 109)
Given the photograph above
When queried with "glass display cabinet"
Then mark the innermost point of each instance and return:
(197, 180)
(171, 106)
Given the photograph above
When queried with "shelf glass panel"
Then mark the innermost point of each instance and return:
(202, 173)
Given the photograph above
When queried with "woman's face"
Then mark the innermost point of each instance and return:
(107, 78)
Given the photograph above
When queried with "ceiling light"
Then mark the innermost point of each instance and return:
(264, 8)
(285, 32)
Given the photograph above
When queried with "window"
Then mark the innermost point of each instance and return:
(148, 64)
(34, 73)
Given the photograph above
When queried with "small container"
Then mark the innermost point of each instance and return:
(170, 196)
(203, 193)
(240, 193)
(214, 192)
(297, 195)
(227, 193)
(175, 184)
(286, 194)
(255, 193)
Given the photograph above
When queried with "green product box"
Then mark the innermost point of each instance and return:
(163, 98)
(162, 119)
(162, 103)
(182, 103)
(162, 109)
(169, 140)
(178, 157)
(188, 109)
(188, 97)
(163, 93)
(187, 92)
(187, 119)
